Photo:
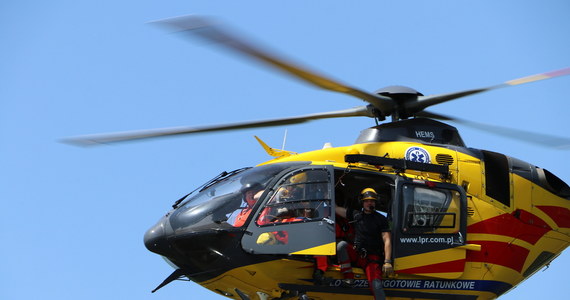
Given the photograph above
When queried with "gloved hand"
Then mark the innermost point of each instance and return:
(388, 270)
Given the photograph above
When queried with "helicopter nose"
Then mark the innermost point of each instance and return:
(155, 239)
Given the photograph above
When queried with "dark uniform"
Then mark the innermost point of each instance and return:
(368, 229)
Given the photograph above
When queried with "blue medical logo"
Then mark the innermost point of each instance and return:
(418, 154)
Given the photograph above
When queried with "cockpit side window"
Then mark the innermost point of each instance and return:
(294, 214)
(299, 197)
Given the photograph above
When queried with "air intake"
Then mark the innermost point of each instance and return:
(444, 159)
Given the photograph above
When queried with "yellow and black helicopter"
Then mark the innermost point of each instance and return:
(466, 223)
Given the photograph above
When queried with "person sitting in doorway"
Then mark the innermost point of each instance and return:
(372, 243)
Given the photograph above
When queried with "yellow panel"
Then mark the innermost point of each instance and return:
(470, 172)
(327, 249)
(521, 192)
(229, 284)
(435, 257)
(441, 275)
(497, 238)
(472, 247)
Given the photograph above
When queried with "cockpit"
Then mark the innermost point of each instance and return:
(223, 198)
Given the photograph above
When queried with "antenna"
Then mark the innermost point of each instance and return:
(284, 140)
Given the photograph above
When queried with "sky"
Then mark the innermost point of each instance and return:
(73, 218)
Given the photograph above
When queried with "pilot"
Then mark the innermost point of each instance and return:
(251, 193)
(372, 243)
(293, 189)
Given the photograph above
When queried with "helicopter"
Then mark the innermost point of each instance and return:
(466, 223)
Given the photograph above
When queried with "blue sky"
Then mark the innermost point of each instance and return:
(74, 218)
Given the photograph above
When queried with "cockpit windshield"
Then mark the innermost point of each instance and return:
(221, 198)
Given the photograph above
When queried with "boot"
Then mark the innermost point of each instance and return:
(318, 277)
(378, 290)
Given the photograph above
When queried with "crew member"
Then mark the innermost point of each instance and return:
(251, 193)
(372, 243)
(291, 191)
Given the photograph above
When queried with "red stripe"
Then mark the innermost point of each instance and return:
(499, 253)
(525, 226)
(560, 215)
(445, 267)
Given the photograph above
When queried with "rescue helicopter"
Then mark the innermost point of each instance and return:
(465, 223)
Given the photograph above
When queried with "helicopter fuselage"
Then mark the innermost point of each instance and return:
(466, 223)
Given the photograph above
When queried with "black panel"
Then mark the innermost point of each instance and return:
(395, 163)
(556, 185)
(542, 259)
(521, 168)
(416, 130)
(497, 184)
(210, 254)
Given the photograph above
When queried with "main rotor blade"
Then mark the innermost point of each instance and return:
(97, 139)
(203, 28)
(541, 139)
(426, 101)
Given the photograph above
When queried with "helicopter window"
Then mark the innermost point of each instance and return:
(430, 210)
(225, 198)
(497, 182)
(299, 197)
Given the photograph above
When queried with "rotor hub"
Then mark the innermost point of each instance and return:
(401, 96)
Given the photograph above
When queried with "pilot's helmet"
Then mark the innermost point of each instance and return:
(368, 194)
(298, 178)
